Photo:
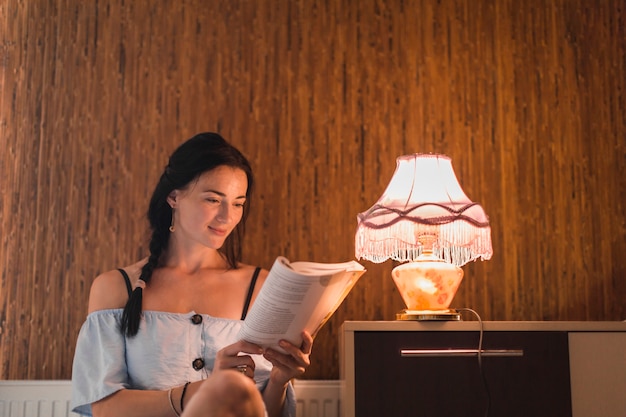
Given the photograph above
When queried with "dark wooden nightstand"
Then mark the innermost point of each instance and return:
(527, 369)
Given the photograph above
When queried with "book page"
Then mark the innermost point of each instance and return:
(295, 298)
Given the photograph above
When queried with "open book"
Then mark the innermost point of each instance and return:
(295, 297)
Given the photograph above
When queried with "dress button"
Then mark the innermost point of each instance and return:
(196, 319)
(198, 364)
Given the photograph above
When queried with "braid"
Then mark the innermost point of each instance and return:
(132, 311)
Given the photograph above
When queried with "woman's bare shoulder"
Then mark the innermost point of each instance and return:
(248, 271)
(109, 291)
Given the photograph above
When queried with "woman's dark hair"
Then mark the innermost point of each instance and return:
(200, 154)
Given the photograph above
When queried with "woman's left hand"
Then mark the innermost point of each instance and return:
(292, 364)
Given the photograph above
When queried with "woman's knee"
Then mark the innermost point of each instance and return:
(226, 393)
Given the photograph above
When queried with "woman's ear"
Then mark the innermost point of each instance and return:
(172, 198)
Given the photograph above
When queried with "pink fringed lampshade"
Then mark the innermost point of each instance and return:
(423, 197)
(424, 217)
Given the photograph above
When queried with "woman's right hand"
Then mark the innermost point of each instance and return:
(237, 357)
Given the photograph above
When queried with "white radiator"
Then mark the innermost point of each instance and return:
(315, 398)
(35, 399)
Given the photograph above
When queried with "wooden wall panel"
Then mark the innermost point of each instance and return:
(527, 98)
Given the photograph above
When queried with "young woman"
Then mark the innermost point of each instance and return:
(160, 338)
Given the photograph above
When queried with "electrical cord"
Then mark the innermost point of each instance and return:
(480, 358)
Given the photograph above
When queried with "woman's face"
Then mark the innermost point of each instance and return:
(208, 210)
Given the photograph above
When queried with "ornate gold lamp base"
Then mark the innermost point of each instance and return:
(429, 315)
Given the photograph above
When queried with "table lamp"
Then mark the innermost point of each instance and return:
(424, 219)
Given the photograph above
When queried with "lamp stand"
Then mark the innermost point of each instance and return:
(427, 285)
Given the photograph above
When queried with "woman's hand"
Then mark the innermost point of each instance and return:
(231, 357)
(292, 364)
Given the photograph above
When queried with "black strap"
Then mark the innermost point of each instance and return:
(250, 291)
(127, 280)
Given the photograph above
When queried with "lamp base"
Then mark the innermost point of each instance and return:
(429, 315)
